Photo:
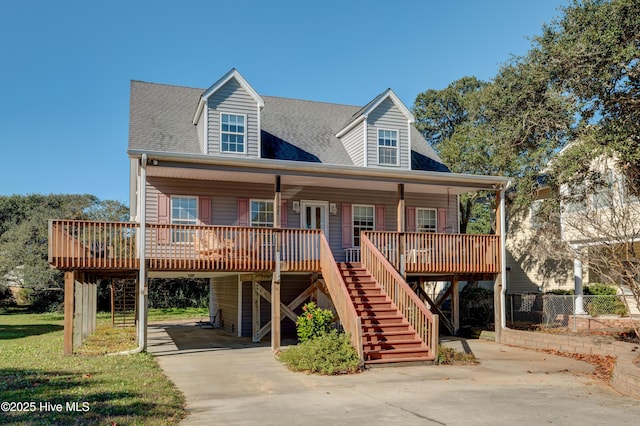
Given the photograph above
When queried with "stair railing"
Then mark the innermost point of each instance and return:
(351, 322)
(423, 321)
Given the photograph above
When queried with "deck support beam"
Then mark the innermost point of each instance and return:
(455, 304)
(275, 306)
(69, 309)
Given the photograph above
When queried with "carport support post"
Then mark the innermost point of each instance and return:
(69, 282)
(500, 285)
(275, 282)
(455, 304)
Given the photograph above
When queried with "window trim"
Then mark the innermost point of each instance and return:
(266, 200)
(171, 218)
(435, 215)
(353, 218)
(397, 147)
(244, 134)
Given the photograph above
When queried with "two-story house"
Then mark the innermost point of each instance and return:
(277, 201)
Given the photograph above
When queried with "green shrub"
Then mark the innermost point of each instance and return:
(328, 353)
(559, 292)
(607, 303)
(599, 289)
(313, 322)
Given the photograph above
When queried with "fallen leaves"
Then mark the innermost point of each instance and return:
(604, 364)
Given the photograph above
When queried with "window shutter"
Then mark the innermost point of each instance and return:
(243, 212)
(442, 220)
(283, 214)
(347, 226)
(164, 217)
(411, 219)
(204, 210)
(380, 218)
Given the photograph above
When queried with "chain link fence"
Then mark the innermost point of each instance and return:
(534, 310)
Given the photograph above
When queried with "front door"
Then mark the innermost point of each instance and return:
(313, 215)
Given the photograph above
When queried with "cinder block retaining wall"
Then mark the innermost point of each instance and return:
(626, 376)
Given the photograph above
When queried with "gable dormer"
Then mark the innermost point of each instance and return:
(379, 134)
(228, 118)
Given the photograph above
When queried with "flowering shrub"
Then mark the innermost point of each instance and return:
(313, 322)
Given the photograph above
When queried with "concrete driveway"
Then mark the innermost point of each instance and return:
(229, 380)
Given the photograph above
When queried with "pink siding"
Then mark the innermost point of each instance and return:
(411, 219)
(204, 210)
(283, 213)
(243, 212)
(442, 220)
(380, 218)
(164, 215)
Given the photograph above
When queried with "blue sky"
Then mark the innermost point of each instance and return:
(66, 66)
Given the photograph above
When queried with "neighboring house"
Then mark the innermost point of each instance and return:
(599, 225)
(280, 200)
(536, 263)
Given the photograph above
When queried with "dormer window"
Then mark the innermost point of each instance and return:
(387, 147)
(232, 133)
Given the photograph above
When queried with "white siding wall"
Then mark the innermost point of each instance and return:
(354, 144)
(232, 98)
(388, 116)
(532, 268)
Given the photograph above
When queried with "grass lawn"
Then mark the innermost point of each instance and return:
(107, 389)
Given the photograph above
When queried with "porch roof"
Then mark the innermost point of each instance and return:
(204, 167)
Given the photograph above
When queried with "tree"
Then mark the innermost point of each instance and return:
(510, 126)
(24, 238)
(592, 53)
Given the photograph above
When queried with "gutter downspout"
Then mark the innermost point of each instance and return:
(142, 277)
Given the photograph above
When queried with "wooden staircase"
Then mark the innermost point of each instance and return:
(387, 336)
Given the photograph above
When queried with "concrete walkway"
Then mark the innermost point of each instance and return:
(229, 380)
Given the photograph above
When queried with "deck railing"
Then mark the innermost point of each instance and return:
(349, 319)
(75, 244)
(439, 253)
(423, 321)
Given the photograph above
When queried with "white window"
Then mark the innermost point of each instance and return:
(232, 133)
(363, 220)
(184, 211)
(534, 214)
(388, 147)
(426, 220)
(262, 213)
(604, 190)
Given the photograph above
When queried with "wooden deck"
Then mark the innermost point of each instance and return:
(113, 246)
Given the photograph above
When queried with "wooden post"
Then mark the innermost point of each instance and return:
(77, 309)
(275, 306)
(277, 202)
(69, 293)
(455, 304)
(402, 227)
(255, 296)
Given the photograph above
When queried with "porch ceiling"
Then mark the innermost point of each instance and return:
(413, 184)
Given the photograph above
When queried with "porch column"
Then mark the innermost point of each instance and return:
(402, 226)
(143, 289)
(578, 308)
(277, 202)
(500, 285)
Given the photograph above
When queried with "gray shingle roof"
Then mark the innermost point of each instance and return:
(161, 120)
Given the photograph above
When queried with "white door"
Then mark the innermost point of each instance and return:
(314, 215)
